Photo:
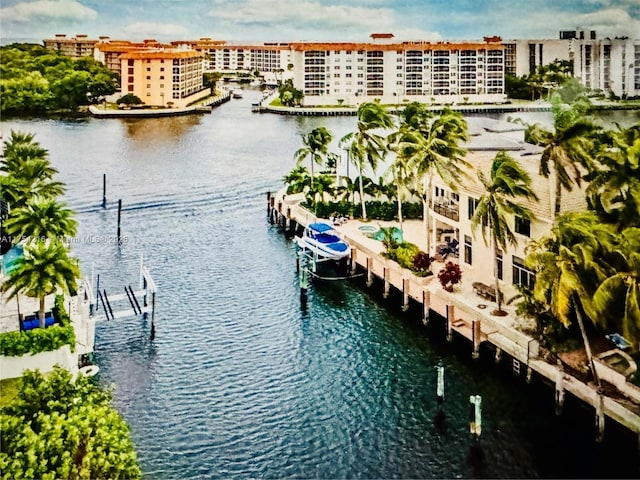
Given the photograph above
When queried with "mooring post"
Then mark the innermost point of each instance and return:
(475, 336)
(304, 279)
(559, 388)
(268, 203)
(475, 424)
(354, 264)
(97, 292)
(440, 385)
(104, 190)
(153, 314)
(119, 215)
(600, 418)
(406, 286)
(146, 291)
(426, 300)
(385, 276)
(369, 271)
(450, 315)
(498, 355)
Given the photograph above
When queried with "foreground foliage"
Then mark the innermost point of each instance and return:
(34, 79)
(60, 428)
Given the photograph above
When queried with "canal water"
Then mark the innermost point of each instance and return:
(242, 381)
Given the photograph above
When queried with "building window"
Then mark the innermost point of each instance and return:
(472, 205)
(468, 250)
(148, 69)
(523, 226)
(130, 63)
(499, 263)
(522, 275)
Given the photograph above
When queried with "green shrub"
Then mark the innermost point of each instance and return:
(16, 344)
(404, 254)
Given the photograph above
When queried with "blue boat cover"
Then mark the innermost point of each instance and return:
(320, 227)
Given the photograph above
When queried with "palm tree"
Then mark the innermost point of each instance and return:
(366, 147)
(617, 299)
(569, 266)
(297, 180)
(324, 184)
(41, 218)
(507, 184)
(614, 182)
(568, 146)
(432, 146)
(44, 269)
(315, 144)
(34, 177)
(19, 147)
(401, 171)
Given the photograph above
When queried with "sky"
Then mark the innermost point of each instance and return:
(315, 20)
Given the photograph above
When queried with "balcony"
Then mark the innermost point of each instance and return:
(447, 207)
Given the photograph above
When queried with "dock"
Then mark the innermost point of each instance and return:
(467, 315)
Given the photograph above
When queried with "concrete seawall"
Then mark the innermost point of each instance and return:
(468, 315)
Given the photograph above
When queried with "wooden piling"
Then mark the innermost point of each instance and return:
(559, 388)
(498, 355)
(387, 285)
(440, 385)
(426, 301)
(369, 271)
(104, 190)
(405, 294)
(119, 217)
(450, 317)
(600, 418)
(475, 337)
(352, 260)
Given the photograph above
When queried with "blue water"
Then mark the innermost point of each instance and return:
(241, 380)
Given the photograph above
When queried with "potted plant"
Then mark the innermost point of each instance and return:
(450, 275)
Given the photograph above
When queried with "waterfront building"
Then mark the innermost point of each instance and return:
(523, 57)
(79, 46)
(451, 212)
(266, 58)
(165, 78)
(108, 51)
(611, 65)
(399, 72)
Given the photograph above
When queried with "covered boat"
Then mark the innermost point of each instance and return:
(322, 239)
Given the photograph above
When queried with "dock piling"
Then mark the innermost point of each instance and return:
(387, 285)
(450, 315)
(440, 385)
(405, 294)
(475, 337)
(104, 190)
(119, 233)
(600, 418)
(559, 388)
(369, 271)
(475, 424)
(426, 300)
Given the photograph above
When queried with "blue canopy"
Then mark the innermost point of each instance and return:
(320, 227)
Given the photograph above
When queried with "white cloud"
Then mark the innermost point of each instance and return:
(154, 29)
(47, 10)
(303, 14)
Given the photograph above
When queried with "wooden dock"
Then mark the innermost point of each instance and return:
(465, 317)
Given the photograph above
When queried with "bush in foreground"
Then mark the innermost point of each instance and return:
(60, 428)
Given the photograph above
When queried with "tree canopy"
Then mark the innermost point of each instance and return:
(35, 79)
(58, 427)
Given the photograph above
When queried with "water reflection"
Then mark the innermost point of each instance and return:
(160, 130)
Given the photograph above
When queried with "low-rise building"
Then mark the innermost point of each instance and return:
(165, 78)
(79, 46)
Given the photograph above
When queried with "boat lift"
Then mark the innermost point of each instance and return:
(131, 303)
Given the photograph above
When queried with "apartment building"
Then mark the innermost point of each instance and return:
(224, 57)
(75, 47)
(609, 64)
(168, 78)
(108, 51)
(399, 72)
(523, 57)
